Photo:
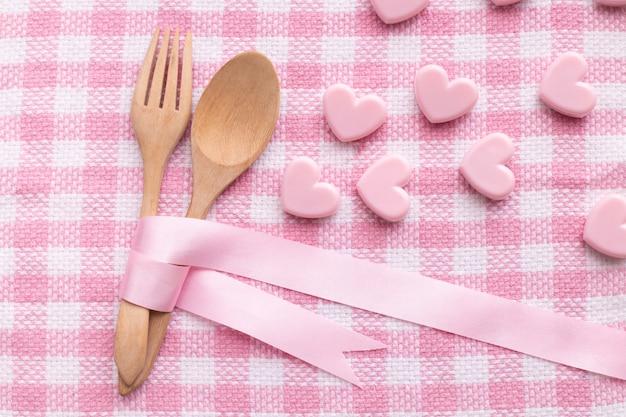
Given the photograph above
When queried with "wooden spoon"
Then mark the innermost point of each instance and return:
(234, 120)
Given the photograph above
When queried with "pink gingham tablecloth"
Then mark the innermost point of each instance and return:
(71, 182)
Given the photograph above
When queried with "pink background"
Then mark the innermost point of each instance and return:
(70, 186)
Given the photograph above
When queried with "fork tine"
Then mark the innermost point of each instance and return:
(141, 87)
(171, 85)
(156, 88)
(185, 78)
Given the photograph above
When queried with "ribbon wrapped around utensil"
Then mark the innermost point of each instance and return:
(225, 300)
(161, 243)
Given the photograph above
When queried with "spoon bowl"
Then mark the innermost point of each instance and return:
(233, 123)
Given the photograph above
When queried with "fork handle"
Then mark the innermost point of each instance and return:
(132, 329)
(152, 179)
(158, 322)
(131, 336)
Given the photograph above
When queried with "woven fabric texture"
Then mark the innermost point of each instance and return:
(71, 183)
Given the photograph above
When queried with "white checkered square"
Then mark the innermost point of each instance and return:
(8, 209)
(10, 104)
(401, 101)
(6, 370)
(540, 303)
(470, 48)
(593, 196)
(120, 258)
(484, 98)
(64, 261)
(128, 154)
(471, 369)
(535, 204)
(266, 209)
(336, 154)
(7, 262)
(134, 48)
(537, 257)
(281, 6)
(461, 147)
(535, 149)
(606, 148)
(76, 5)
(62, 370)
(529, 97)
(276, 48)
(545, 412)
(10, 152)
(65, 207)
(606, 309)
(197, 371)
(610, 410)
(392, 324)
(13, 50)
(74, 49)
(469, 207)
(212, 50)
(142, 5)
(68, 153)
(535, 44)
(338, 313)
(70, 100)
(467, 5)
(266, 372)
(596, 44)
(207, 6)
(7, 315)
(63, 316)
(609, 95)
(403, 371)
(347, 204)
(127, 207)
(535, 369)
(470, 260)
(338, 49)
(404, 48)
(335, 6)
(406, 259)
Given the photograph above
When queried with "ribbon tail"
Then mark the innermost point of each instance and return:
(378, 288)
(286, 326)
(331, 356)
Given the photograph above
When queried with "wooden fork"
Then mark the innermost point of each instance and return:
(159, 114)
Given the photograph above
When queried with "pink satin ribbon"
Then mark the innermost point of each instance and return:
(210, 247)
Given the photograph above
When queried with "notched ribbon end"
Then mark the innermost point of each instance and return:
(345, 371)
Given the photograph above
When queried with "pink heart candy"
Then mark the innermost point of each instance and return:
(351, 119)
(395, 11)
(605, 228)
(483, 166)
(381, 184)
(504, 2)
(303, 195)
(562, 89)
(612, 3)
(442, 100)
